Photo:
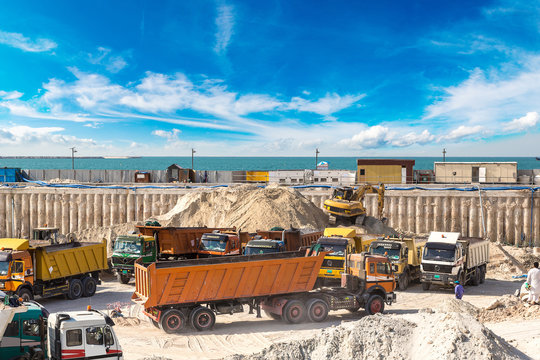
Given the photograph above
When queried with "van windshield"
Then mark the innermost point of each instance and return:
(4, 267)
(127, 246)
(431, 253)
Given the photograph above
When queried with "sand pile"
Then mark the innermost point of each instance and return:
(247, 207)
(449, 332)
(127, 321)
(509, 307)
(105, 232)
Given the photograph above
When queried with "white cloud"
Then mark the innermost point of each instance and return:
(21, 42)
(10, 95)
(94, 125)
(168, 135)
(20, 135)
(380, 136)
(463, 132)
(523, 123)
(113, 63)
(327, 105)
(225, 25)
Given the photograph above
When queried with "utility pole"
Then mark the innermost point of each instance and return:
(444, 155)
(192, 153)
(316, 157)
(73, 151)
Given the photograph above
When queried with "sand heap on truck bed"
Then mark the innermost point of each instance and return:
(449, 332)
(247, 207)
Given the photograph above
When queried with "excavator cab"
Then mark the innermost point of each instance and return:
(343, 193)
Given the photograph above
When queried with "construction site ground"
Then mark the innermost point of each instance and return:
(245, 334)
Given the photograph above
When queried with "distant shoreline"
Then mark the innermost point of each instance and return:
(69, 157)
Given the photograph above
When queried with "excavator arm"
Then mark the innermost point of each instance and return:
(361, 192)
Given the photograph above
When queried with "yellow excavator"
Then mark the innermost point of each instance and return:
(346, 207)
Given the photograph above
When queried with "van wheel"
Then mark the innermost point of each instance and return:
(89, 286)
(294, 312)
(25, 294)
(375, 305)
(202, 318)
(172, 321)
(317, 310)
(426, 286)
(75, 289)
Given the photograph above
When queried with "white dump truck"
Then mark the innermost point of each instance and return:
(29, 332)
(447, 257)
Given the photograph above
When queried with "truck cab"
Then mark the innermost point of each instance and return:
(127, 249)
(333, 263)
(82, 335)
(264, 246)
(219, 244)
(16, 268)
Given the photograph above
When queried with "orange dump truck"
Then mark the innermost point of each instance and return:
(176, 293)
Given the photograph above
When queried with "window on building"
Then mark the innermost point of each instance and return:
(94, 336)
(293, 180)
(362, 172)
(323, 179)
(335, 179)
(74, 337)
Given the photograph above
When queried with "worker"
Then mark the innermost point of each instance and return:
(458, 289)
(533, 281)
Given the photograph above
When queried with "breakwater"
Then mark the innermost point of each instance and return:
(508, 216)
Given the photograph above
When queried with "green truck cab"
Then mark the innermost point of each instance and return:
(24, 334)
(127, 249)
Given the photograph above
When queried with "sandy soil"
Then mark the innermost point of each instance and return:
(244, 333)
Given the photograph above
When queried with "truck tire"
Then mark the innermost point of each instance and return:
(482, 275)
(202, 318)
(123, 279)
(475, 279)
(75, 289)
(172, 321)
(272, 315)
(317, 310)
(25, 293)
(294, 312)
(374, 305)
(89, 286)
(155, 323)
(426, 286)
(403, 281)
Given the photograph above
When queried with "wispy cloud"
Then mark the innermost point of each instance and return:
(379, 136)
(21, 42)
(10, 95)
(225, 28)
(112, 63)
(18, 135)
(462, 132)
(523, 123)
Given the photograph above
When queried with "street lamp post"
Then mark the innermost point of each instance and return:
(73, 151)
(316, 157)
(192, 153)
(444, 155)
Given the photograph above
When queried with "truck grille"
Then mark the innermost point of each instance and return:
(445, 269)
(122, 261)
(332, 263)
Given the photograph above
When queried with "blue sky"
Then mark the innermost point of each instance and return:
(270, 78)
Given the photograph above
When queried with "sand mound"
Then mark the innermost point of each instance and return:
(247, 207)
(126, 321)
(105, 232)
(509, 307)
(438, 335)
(451, 305)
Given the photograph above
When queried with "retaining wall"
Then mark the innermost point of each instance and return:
(505, 215)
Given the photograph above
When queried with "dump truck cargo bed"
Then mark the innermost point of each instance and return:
(217, 279)
(65, 260)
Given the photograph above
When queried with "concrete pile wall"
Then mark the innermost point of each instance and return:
(506, 215)
(94, 176)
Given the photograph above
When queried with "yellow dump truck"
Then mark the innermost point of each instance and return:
(405, 255)
(340, 242)
(71, 269)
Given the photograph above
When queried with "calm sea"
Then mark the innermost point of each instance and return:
(235, 163)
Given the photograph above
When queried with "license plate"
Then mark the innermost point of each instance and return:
(124, 271)
(437, 276)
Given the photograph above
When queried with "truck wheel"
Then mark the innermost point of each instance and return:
(475, 280)
(202, 318)
(272, 315)
(25, 294)
(172, 321)
(155, 323)
(89, 286)
(426, 286)
(75, 289)
(482, 275)
(317, 310)
(122, 278)
(294, 312)
(375, 305)
(403, 281)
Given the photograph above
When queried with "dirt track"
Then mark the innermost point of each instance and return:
(244, 333)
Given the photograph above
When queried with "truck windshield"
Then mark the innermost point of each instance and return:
(213, 245)
(439, 254)
(127, 246)
(4, 267)
(336, 250)
(250, 250)
(380, 250)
